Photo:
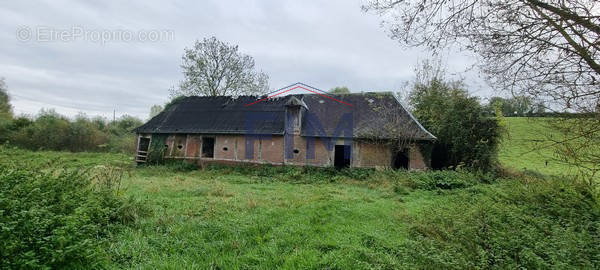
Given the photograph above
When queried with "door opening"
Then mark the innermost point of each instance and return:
(401, 160)
(142, 151)
(342, 156)
(144, 144)
(208, 147)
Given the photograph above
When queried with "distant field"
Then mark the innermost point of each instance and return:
(519, 149)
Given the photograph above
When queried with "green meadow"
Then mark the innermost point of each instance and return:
(305, 218)
(526, 147)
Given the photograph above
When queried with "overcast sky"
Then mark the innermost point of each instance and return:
(54, 56)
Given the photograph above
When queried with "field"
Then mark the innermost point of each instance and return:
(290, 218)
(524, 148)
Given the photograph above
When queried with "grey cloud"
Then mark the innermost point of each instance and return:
(322, 43)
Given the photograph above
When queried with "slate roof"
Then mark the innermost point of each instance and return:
(374, 115)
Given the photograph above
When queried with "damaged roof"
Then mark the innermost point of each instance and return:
(370, 115)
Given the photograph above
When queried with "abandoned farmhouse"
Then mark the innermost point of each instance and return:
(351, 130)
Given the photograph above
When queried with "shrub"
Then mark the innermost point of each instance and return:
(52, 131)
(441, 180)
(525, 224)
(156, 149)
(466, 137)
(181, 166)
(58, 219)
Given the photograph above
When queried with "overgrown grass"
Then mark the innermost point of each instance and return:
(261, 217)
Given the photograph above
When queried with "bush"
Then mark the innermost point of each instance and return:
(297, 174)
(466, 136)
(442, 180)
(59, 219)
(52, 131)
(180, 166)
(526, 224)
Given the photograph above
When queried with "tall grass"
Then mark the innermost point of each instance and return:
(532, 224)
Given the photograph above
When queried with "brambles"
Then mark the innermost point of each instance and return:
(60, 218)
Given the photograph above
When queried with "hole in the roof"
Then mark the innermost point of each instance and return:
(179, 146)
(166, 146)
(296, 151)
(225, 149)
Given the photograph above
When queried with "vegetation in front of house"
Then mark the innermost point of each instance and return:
(294, 217)
(528, 223)
(52, 217)
(156, 149)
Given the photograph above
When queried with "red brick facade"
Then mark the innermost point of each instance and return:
(232, 149)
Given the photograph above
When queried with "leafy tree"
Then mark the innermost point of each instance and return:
(466, 137)
(174, 100)
(155, 110)
(5, 107)
(122, 138)
(515, 106)
(49, 131)
(339, 90)
(84, 135)
(216, 68)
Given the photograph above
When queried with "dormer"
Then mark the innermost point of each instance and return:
(294, 111)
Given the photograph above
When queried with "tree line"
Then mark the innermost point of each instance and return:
(51, 131)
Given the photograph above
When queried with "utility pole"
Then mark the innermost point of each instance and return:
(114, 114)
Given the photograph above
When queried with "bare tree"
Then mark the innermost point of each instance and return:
(547, 50)
(576, 143)
(215, 68)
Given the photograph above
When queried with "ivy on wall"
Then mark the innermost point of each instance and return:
(156, 151)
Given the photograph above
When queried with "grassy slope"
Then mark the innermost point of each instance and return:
(518, 150)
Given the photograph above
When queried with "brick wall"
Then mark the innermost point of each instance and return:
(417, 161)
(372, 155)
(232, 148)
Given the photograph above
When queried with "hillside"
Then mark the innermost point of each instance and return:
(524, 147)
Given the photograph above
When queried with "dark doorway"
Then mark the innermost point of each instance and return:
(439, 157)
(208, 147)
(142, 151)
(342, 156)
(144, 144)
(401, 160)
